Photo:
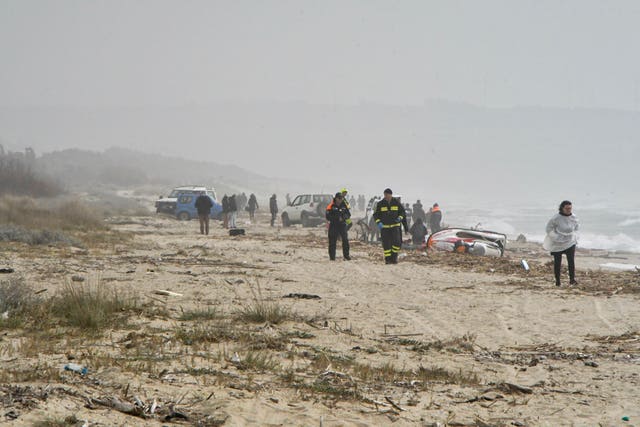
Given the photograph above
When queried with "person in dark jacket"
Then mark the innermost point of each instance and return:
(337, 214)
(418, 232)
(203, 206)
(252, 206)
(225, 211)
(273, 207)
(418, 211)
(435, 220)
(389, 217)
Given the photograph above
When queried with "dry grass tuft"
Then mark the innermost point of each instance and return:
(91, 306)
(57, 214)
(201, 314)
(262, 311)
(17, 302)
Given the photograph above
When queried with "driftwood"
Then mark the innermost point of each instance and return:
(394, 404)
(302, 296)
(514, 388)
(124, 407)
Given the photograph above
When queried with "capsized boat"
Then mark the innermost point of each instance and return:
(463, 240)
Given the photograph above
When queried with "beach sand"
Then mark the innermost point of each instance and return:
(512, 348)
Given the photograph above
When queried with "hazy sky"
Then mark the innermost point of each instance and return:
(327, 91)
(149, 53)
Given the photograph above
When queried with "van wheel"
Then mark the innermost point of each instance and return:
(184, 216)
(285, 220)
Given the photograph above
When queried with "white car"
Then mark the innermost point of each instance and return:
(306, 209)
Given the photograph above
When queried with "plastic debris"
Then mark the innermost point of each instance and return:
(74, 367)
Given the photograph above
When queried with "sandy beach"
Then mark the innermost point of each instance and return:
(439, 339)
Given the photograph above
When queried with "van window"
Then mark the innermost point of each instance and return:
(185, 199)
(306, 199)
(297, 201)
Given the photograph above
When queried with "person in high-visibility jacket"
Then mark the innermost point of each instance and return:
(345, 199)
(337, 214)
(389, 217)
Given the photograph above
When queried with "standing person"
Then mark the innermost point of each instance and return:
(225, 211)
(345, 199)
(418, 232)
(409, 215)
(203, 206)
(233, 211)
(418, 211)
(561, 239)
(389, 216)
(435, 220)
(288, 199)
(337, 214)
(253, 206)
(273, 207)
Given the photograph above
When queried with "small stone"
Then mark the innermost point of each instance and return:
(591, 363)
(76, 278)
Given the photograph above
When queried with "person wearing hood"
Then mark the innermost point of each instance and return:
(418, 232)
(338, 214)
(561, 239)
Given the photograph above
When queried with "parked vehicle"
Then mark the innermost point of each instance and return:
(181, 202)
(306, 209)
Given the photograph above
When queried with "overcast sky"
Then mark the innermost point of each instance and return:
(320, 89)
(493, 53)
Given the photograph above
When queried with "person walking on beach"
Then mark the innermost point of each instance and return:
(273, 207)
(252, 206)
(337, 214)
(389, 217)
(435, 220)
(561, 239)
(225, 211)
(203, 206)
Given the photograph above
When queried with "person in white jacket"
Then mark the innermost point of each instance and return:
(562, 238)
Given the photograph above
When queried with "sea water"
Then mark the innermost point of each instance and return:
(601, 226)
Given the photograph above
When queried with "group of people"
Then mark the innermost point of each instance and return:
(230, 206)
(391, 217)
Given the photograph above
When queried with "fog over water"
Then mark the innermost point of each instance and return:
(493, 105)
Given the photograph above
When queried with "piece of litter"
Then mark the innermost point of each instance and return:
(167, 293)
